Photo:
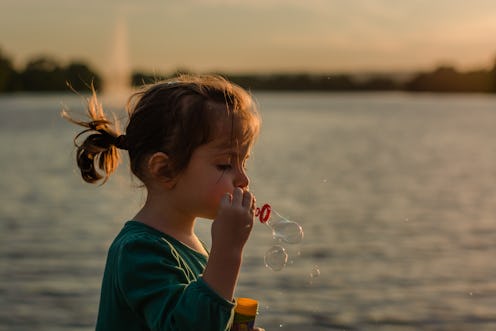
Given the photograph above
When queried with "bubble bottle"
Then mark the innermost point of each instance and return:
(245, 313)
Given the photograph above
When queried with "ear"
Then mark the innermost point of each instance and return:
(159, 167)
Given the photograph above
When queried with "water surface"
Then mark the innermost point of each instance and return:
(396, 193)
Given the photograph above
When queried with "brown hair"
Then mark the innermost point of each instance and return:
(173, 116)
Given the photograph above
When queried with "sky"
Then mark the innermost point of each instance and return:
(240, 36)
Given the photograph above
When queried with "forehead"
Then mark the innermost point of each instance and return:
(232, 132)
(226, 146)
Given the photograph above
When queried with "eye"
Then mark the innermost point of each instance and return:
(224, 167)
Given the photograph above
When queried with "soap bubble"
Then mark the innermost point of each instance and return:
(283, 231)
(314, 273)
(287, 231)
(276, 258)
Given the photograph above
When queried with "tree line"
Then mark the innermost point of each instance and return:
(43, 74)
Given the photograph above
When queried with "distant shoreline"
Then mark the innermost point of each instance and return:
(44, 74)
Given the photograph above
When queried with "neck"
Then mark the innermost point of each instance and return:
(160, 214)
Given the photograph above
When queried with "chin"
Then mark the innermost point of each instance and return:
(209, 216)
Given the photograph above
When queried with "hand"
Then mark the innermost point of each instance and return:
(258, 329)
(230, 231)
(234, 220)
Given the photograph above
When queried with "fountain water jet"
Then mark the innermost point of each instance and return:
(117, 77)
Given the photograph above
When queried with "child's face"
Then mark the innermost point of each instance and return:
(214, 170)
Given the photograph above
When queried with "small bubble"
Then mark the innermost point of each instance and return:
(324, 180)
(315, 272)
(280, 325)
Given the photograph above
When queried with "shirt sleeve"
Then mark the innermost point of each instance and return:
(154, 283)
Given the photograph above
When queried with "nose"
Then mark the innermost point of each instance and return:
(241, 180)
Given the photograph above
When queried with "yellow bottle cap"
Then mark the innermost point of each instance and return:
(246, 306)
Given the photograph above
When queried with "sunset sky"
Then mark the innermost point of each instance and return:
(253, 35)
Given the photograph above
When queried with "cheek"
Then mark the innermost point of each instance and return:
(213, 201)
(221, 187)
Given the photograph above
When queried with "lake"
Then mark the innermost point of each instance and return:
(396, 194)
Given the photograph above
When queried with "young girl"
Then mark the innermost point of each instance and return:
(188, 140)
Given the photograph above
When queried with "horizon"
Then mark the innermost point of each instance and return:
(270, 36)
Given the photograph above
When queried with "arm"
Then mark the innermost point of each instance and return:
(230, 231)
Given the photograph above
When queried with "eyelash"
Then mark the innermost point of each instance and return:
(225, 167)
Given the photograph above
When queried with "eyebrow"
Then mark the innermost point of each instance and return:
(227, 147)
(230, 151)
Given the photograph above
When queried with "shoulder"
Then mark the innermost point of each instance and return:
(138, 256)
(146, 258)
(139, 240)
(139, 248)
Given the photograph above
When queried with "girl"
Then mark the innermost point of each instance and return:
(188, 140)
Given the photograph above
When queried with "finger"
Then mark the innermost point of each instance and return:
(225, 200)
(254, 205)
(237, 196)
(247, 199)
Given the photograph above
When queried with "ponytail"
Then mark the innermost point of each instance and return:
(97, 155)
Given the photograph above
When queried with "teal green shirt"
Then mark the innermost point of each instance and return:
(153, 282)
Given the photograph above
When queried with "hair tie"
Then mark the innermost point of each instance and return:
(121, 142)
